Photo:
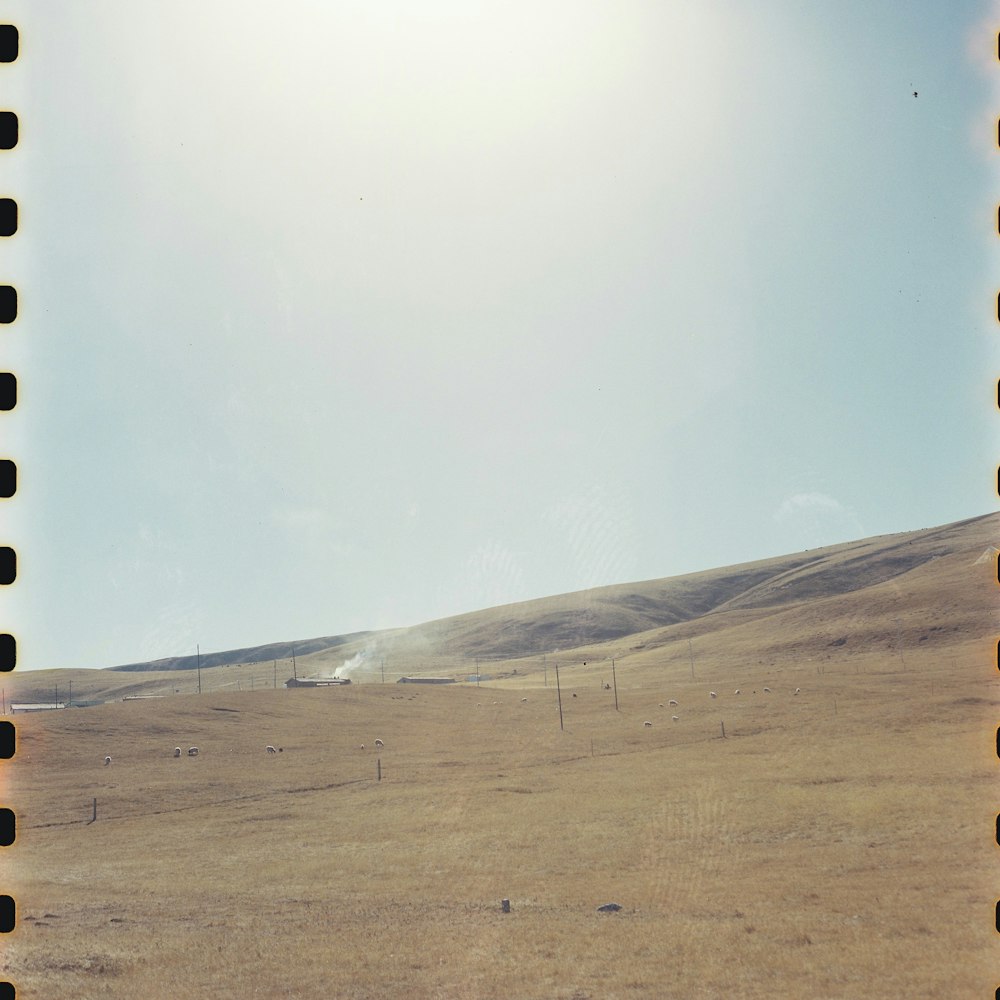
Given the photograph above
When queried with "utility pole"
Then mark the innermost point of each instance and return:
(559, 696)
(691, 656)
(275, 675)
(198, 648)
(545, 667)
(614, 680)
(295, 672)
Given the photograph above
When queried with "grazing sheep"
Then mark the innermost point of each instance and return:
(379, 743)
(797, 690)
(107, 760)
(270, 749)
(177, 751)
(192, 751)
(362, 746)
(712, 694)
(524, 699)
(661, 704)
(767, 690)
(737, 691)
(647, 723)
(676, 718)
(673, 701)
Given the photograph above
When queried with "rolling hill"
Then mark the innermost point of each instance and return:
(917, 591)
(788, 788)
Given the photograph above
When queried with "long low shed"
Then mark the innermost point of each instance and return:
(426, 680)
(318, 682)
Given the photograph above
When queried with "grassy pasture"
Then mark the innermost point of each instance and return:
(838, 843)
(820, 850)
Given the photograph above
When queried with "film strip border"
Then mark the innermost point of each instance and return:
(9, 48)
(997, 833)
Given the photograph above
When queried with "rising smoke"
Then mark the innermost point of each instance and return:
(362, 663)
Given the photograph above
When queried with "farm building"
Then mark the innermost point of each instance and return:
(36, 706)
(426, 680)
(316, 682)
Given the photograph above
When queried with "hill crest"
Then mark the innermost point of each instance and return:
(605, 614)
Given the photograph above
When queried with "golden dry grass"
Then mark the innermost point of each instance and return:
(839, 843)
(808, 854)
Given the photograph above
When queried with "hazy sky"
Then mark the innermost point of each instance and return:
(338, 316)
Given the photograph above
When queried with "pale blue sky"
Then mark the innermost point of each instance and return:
(358, 315)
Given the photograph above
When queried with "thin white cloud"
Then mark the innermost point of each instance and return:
(808, 503)
(813, 519)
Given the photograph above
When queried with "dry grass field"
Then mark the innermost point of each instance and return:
(837, 843)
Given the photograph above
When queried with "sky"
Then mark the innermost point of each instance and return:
(361, 314)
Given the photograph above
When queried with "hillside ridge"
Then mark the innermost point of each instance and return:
(612, 612)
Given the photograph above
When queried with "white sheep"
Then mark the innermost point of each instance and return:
(673, 701)
(362, 746)
(192, 751)
(676, 718)
(712, 694)
(107, 760)
(737, 691)
(661, 704)
(647, 723)
(797, 690)
(379, 743)
(177, 751)
(270, 749)
(767, 690)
